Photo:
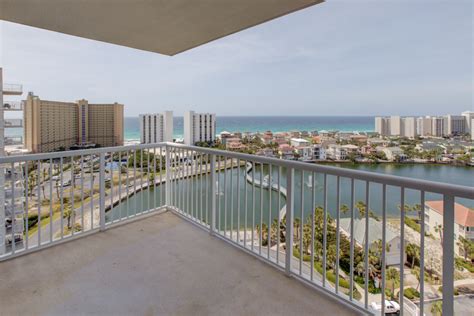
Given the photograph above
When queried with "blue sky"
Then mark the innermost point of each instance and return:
(342, 57)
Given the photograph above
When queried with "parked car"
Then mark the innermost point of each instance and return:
(391, 307)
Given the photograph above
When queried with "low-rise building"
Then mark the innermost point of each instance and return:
(319, 152)
(304, 152)
(336, 152)
(299, 142)
(394, 153)
(463, 221)
(286, 151)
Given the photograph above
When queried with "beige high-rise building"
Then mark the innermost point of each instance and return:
(53, 125)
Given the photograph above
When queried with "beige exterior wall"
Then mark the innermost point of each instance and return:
(51, 125)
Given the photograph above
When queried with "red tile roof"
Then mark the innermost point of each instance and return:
(462, 215)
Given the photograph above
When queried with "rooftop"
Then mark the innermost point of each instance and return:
(462, 215)
(160, 264)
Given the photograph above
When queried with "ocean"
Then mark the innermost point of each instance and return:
(255, 124)
(265, 123)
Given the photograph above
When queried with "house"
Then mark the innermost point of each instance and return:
(392, 254)
(463, 220)
(336, 152)
(394, 153)
(351, 148)
(319, 153)
(286, 151)
(299, 142)
(267, 137)
(304, 152)
(234, 143)
(360, 139)
(378, 142)
(224, 136)
(266, 152)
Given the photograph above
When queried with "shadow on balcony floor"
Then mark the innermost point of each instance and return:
(159, 265)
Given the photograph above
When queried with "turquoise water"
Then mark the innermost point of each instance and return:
(264, 123)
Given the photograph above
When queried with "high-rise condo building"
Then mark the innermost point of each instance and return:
(53, 125)
(423, 126)
(156, 128)
(199, 127)
(437, 126)
(455, 125)
(382, 125)
(395, 126)
(469, 115)
(409, 127)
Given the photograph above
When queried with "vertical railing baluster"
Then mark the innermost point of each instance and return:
(351, 294)
(238, 200)
(27, 179)
(269, 239)
(366, 246)
(313, 202)
(253, 205)
(246, 205)
(191, 180)
(102, 190)
(325, 228)
(161, 177)
(402, 248)
(82, 193)
(127, 183)
(142, 194)
(300, 242)
(384, 243)
(212, 180)
(261, 211)
(338, 227)
(92, 190)
(61, 173)
(279, 218)
(448, 254)
(38, 184)
(13, 213)
(422, 253)
(290, 177)
(135, 181)
(148, 179)
(119, 166)
(218, 197)
(50, 200)
(167, 183)
(201, 176)
(154, 178)
(72, 214)
(231, 199)
(225, 196)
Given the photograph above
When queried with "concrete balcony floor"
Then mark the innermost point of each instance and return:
(159, 265)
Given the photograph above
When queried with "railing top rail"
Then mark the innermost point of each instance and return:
(408, 183)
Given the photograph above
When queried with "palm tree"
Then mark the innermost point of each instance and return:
(344, 209)
(296, 228)
(416, 273)
(69, 213)
(417, 208)
(360, 206)
(439, 230)
(437, 308)
(413, 251)
(393, 275)
(465, 246)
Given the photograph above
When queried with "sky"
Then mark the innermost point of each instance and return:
(342, 57)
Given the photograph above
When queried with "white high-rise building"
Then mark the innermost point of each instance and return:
(156, 128)
(199, 127)
(409, 127)
(469, 115)
(437, 126)
(455, 125)
(423, 126)
(395, 126)
(382, 125)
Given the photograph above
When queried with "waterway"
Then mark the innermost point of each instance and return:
(241, 203)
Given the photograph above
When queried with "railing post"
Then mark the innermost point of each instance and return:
(290, 178)
(212, 178)
(102, 190)
(168, 176)
(448, 254)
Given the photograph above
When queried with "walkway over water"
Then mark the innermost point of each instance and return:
(159, 265)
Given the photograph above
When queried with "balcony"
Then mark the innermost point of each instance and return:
(181, 226)
(12, 89)
(12, 141)
(13, 106)
(18, 123)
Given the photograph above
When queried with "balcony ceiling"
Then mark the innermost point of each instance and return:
(165, 27)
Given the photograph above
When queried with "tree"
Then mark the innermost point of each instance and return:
(413, 252)
(393, 275)
(466, 247)
(437, 308)
(439, 230)
(416, 273)
(360, 206)
(69, 213)
(344, 209)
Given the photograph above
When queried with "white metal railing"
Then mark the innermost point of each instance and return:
(13, 123)
(10, 88)
(13, 106)
(287, 213)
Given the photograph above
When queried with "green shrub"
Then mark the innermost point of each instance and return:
(456, 291)
(411, 293)
(412, 224)
(465, 264)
